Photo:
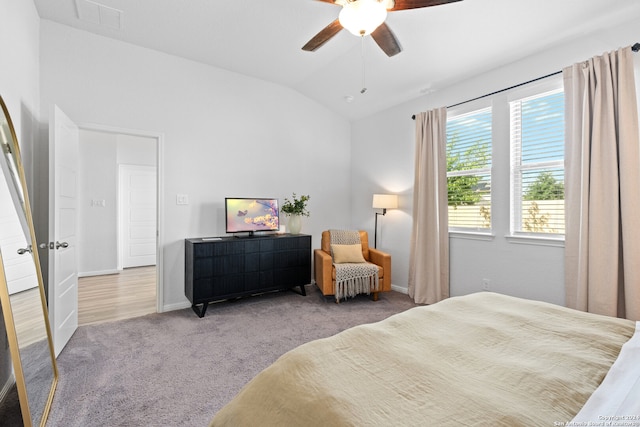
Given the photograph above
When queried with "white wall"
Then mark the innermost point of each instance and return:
(20, 90)
(383, 152)
(224, 134)
(97, 180)
(136, 150)
(19, 73)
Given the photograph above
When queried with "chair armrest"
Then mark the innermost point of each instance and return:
(378, 257)
(382, 259)
(323, 264)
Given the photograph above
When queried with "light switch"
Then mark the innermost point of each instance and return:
(182, 199)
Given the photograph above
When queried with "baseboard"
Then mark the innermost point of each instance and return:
(98, 273)
(400, 289)
(176, 306)
(7, 387)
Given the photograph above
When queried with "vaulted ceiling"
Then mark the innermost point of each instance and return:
(263, 39)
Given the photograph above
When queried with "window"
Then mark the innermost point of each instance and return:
(469, 171)
(537, 164)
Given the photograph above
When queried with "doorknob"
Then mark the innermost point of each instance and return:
(61, 245)
(23, 251)
(51, 245)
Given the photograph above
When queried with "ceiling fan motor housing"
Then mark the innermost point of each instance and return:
(362, 17)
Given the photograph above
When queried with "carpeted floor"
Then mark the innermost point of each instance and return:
(175, 369)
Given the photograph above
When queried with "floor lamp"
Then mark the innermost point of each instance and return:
(384, 202)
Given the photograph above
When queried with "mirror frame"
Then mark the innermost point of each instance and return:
(4, 292)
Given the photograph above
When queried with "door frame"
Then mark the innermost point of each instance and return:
(159, 138)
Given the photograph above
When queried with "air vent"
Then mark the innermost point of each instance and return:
(99, 14)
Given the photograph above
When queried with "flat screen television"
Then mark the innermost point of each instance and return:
(246, 215)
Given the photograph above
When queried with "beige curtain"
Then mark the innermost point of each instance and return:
(602, 186)
(429, 252)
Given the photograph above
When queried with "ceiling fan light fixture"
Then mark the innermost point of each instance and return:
(362, 17)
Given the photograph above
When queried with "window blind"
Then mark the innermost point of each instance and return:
(537, 163)
(469, 170)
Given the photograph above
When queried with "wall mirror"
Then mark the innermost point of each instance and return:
(24, 308)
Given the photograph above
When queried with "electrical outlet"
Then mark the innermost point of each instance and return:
(485, 284)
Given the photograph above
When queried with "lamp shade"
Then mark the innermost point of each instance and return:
(385, 201)
(362, 17)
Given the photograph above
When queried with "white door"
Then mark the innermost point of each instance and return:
(63, 223)
(138, 215)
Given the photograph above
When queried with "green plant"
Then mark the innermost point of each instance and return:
(545, 187)
(466, 190)
(295, 206)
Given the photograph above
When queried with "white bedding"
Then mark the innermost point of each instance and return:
(616, 402)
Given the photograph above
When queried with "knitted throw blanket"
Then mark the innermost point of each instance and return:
(353, 278)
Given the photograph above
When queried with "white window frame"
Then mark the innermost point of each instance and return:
(546, 87)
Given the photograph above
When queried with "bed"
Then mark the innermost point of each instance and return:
(477, 360)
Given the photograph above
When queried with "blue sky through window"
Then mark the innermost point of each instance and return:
(543, 128)
(469, 136)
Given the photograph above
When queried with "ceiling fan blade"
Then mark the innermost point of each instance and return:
(387, 41)
(327, 1)
(323, 36)
(416, 4)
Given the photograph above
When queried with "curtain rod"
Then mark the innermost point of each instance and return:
(635, 48)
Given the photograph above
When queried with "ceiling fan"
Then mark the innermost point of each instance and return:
(363, 17)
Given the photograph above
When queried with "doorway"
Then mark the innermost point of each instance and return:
(118, 265)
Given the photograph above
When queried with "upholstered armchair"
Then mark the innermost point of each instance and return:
(325, 272)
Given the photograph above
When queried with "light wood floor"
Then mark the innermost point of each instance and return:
(28, 317)
(130, 293)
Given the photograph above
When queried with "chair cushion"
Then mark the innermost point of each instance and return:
(325, 243)
(347, 253)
